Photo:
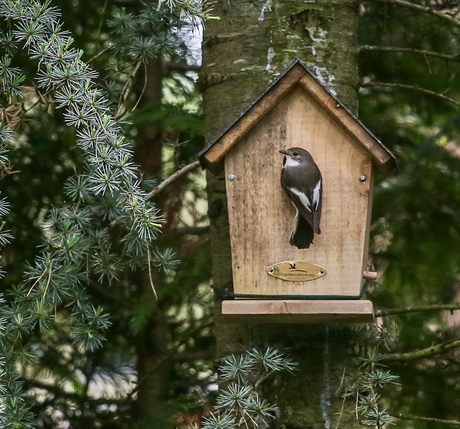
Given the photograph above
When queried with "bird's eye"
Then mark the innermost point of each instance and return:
(295, 153)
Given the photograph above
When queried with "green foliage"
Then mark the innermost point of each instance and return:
(368, 386)
(239, 403)
(71, 94)
(416, 223)
(103, 225)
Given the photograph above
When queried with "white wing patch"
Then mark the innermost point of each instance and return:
(303, 198)
(316, 195)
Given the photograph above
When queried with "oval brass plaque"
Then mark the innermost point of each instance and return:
(296, 271)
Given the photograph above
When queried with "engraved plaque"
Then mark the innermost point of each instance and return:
(296, 271)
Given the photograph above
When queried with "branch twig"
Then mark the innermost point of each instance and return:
(187, 230)
(173, 66)
(125, 92)
(150, 273)
(426, 419)
(437, 307)
(167, 356)
(422, 353)
(143, 88)
(184, 170)
(424, 9)
(412, 88)
(410, 51)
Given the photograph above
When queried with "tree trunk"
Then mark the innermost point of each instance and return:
(153, 360)
(243, 53)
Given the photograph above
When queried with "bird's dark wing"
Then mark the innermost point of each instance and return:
(301, 202)
(308, 199)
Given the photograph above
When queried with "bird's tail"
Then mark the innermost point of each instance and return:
(316, 219)
(302, 234)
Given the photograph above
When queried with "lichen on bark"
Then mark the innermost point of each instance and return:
(244, 53)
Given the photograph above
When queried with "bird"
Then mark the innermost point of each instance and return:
(302, 182)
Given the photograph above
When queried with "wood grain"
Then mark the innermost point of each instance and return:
(345, 119)
(298, 311)
(256, 113)
(212, 156)
(261, 216)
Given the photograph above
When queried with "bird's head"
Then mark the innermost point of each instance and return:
(296, 154)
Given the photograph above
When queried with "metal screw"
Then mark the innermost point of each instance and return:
(231, 177)
(362, 178)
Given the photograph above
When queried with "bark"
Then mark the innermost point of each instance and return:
(243, 53)
(153, 356)
(248, 47)
(149, 140)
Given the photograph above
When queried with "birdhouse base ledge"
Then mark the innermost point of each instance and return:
(298, 311)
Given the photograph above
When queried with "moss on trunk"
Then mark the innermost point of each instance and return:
(249, 47)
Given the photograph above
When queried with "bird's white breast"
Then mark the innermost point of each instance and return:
(291, 162)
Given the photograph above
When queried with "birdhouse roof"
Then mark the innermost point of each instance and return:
(296, 74)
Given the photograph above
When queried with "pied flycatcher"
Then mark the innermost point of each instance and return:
(303, 184)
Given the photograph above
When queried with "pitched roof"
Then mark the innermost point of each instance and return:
(296, 74)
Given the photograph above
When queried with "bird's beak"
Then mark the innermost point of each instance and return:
(284, 152)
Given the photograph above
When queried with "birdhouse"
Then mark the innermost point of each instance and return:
(275, 279)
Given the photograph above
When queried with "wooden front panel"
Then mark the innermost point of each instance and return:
(261, 216)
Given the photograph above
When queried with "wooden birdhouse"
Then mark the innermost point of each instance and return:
(274, 280)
